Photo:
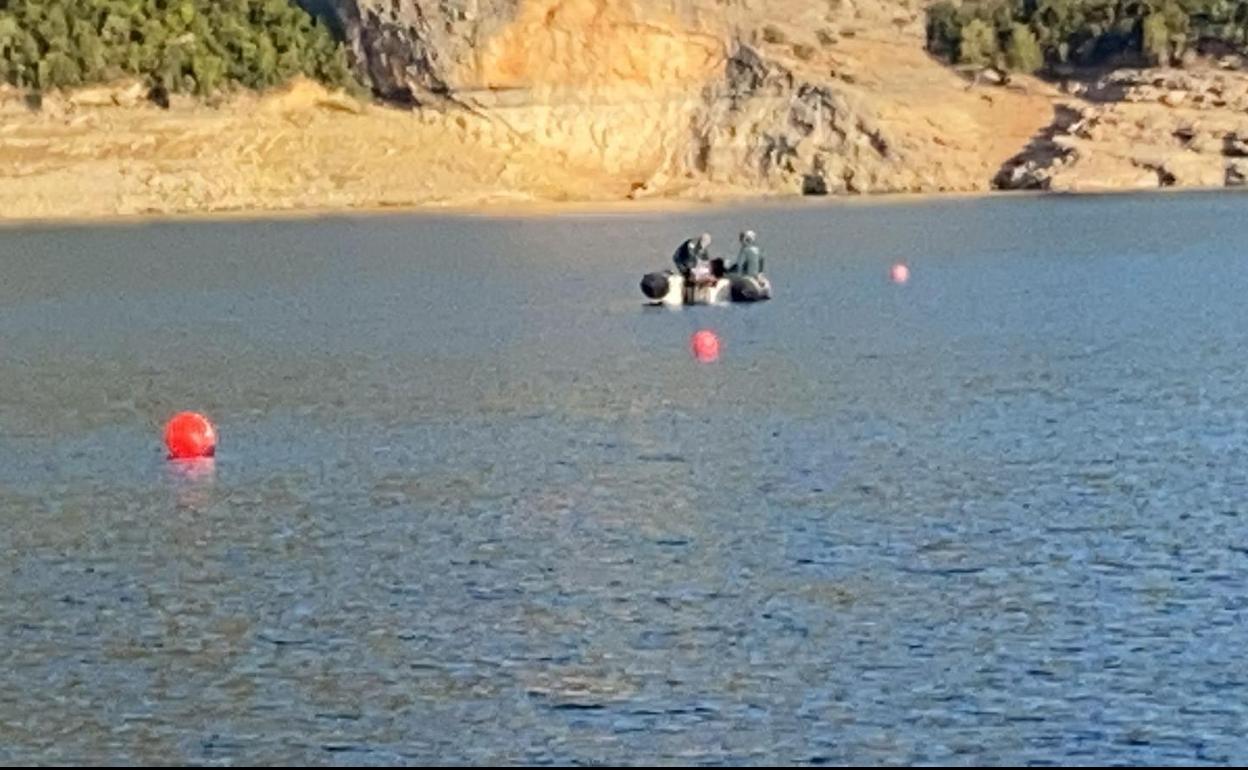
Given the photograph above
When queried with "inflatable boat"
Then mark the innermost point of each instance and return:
(708, 287)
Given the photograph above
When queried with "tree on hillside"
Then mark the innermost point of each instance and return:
(200, 46)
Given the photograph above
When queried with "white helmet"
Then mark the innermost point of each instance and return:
(747, 237)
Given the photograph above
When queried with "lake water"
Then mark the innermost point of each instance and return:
(473, 503)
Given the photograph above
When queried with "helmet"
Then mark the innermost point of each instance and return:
(747, 237)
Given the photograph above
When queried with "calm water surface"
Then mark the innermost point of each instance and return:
(473, 503)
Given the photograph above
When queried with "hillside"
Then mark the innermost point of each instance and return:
(507, 101)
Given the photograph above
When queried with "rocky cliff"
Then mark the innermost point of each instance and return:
(696, 95)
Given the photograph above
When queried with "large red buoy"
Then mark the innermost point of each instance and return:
(705, 346)
(189, 435)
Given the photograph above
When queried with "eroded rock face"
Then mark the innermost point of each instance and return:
(413, 49)
(762, 126)
(671, 94)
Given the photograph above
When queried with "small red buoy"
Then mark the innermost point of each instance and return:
(190, 435)
(900, 273)
(705, 346)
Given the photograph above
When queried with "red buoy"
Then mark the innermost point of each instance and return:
(190, 435)
(705, 346)
(900, 273)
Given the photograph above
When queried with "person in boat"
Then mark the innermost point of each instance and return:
(693, 256)
(750, 259)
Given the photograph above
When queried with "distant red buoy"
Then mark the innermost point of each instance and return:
(900, 273)
(190, 435)
(705, 346)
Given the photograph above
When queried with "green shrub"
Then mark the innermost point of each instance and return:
(199, 46)
(1081, 31)
(1156, 39)
(944, 29)
(979, 43)
(1023, 53)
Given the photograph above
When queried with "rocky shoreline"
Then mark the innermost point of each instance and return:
(1143, 129)
(539, 104)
